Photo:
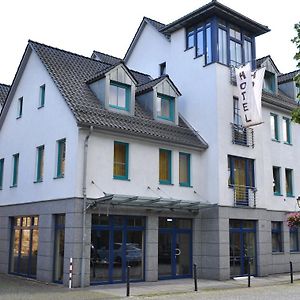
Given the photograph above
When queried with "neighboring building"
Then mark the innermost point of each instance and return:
(113, 166)
(251, 173)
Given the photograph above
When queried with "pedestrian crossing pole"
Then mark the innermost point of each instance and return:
(70, 272)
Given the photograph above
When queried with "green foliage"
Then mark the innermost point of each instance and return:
(296, 41)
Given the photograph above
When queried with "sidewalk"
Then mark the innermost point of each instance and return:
(180, 286)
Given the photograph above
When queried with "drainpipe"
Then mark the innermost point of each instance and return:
(85, 154)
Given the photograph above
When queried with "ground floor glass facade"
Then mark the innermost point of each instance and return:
(24, 246)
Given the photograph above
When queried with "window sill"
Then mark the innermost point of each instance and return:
(119, 107)
(41, 106)
(165, 183)
(185, 185)
(294, 251)
(290, 196)
(278, 253)
(59, 177)
(13, 186)
(289, 144)
(277, 194)
(198, 56)
(121, 178)
(38, 181)
(19, 117)
(274, 140)
(187, 49)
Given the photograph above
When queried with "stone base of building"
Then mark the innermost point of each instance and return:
(38, 239)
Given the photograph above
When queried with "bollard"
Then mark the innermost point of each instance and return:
(128, 282)
(70, 272)
(195, 277)
(291, 271)
(249, 271)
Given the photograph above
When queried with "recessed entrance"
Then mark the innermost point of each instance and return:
(116, 241)
(174, 248)
(242, 247)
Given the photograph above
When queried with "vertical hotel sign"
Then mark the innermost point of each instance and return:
(250, 89)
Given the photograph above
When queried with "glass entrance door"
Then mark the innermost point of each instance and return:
(174, 248)
(242, 247)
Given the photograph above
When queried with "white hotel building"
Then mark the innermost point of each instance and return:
(144, 161)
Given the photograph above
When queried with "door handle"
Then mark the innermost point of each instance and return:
(177, 252)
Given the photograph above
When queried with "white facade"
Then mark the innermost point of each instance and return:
(207, 104)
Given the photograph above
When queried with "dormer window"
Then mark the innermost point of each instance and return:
(119, 95)
(269, 82)
(165, 107)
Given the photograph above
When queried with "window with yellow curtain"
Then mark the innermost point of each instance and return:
(184, 169)
(164, 166)
(120, 160)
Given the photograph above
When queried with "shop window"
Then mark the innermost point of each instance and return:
(24, 246)
(277, 241)
(59, 248)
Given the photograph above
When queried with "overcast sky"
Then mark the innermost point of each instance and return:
(109, 26)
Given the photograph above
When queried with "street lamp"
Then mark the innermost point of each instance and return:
(298, 201)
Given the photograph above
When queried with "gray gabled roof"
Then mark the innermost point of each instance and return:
(70, 72)
(146, 87)
(157, 25)
(4, 89)
(282, 78)
(106, 58)
(281, 100)
(260, 61)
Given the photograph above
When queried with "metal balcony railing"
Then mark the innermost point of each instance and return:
(244, 195)
(242, 136)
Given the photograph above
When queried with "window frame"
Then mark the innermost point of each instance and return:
(277, 232)
(270, 76)
(287, 122)
(122, 177)
(16, 161)
(127, 95)
(20, 107)
(171, 101)
(277, 192)
(188, 182)
(40, 152)
(275, 138)
(60, 171)
(42, 96)
(169, 156)
(289, 176)
(1, 173)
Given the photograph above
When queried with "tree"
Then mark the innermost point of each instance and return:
(296, 41)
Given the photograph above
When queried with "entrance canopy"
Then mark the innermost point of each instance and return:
(157, 203)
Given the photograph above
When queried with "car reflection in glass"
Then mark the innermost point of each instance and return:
(133, 254)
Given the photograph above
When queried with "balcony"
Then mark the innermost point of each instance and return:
(244, 195)
(242, 136)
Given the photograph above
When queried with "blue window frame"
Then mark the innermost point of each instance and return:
(165, 166)
(184, 169)
(201, 37)
(165, 107)
(24, 246)
(277, 241)
(1, 172)
(294, 239)
(289, 183)
(40, 163)
(42, 96)
(274, 127)
(286, 131)
(20, 108)
(119, 95)
(222, 45)
(121, 160)
(277, 181)
(59, 247)
(61, 158)
(15, 170)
